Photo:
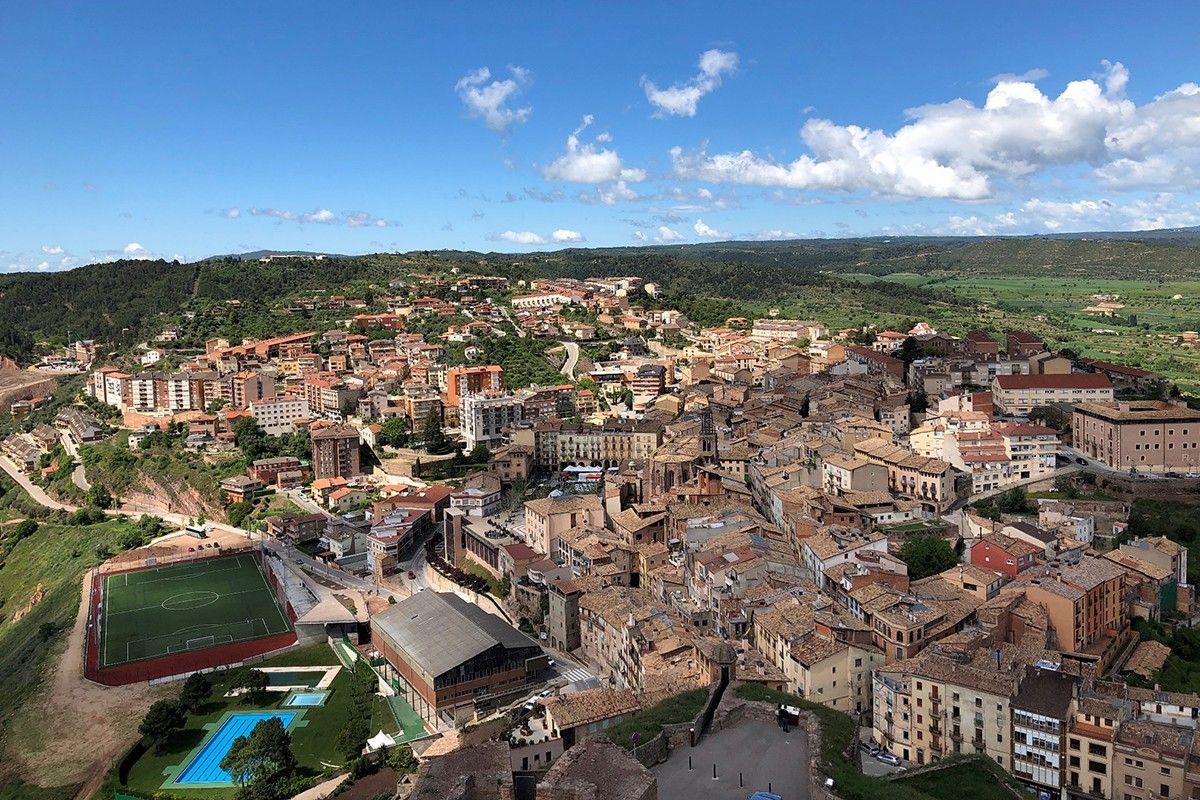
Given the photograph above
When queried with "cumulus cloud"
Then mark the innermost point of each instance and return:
(319, 216)
(776, 235)
(638, 236)
(707, 232)
(665, 234)
(959, 150)
(1037, 215)
(586, 162)
(489, 99)
(681, 99)
(558, 236)
(52, 249)
(231, 213)
(135, 250)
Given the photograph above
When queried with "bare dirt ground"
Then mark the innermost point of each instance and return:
(75, 730)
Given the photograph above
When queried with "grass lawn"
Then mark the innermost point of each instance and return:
(968, 779)
(313, 744)
(649, 721)
(171, 609)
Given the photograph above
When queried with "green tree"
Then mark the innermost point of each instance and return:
(402, 760)
(237, 512)
(254, 681)
(1050, 416)
(99, 497)
(504, 587)
(264, 757)
(927, 555)
(479, 454)
(394, 432)
(910, 350)
(161, 720)
(23, 530)
(433, 435)
(196, 690)
(252, 439)
(1015, 501)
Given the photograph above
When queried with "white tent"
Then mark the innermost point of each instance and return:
(380, 741)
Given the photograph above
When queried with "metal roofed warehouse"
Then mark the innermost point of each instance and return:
(445, 654)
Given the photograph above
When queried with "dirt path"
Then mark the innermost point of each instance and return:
(81, 728)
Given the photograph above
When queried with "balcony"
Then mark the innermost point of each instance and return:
(956, 735)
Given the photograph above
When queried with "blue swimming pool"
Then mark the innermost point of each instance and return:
(315, 697)
(205, 765)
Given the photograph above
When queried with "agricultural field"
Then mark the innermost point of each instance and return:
(1143, 334)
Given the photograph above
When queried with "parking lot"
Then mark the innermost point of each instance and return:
(751, 756)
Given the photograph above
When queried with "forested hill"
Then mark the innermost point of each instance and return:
(124, 301)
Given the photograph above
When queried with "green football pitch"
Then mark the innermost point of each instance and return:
(173, 609)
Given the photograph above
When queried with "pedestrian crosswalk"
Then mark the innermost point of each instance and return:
(576, 674)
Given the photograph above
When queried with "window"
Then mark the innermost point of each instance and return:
(1074, 744)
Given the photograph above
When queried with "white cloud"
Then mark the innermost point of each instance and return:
(558, 236)
(609, 194)
(489, 101)
(520, 237)
(665, 234)
(231, 213)
(135, 250)
(319, 216)
(1028, 76)
(776, 235)
(681, 99)
(638, 236)
(958, 150)
(587, 163)
(52, 249)
(1163, 210)
(43, 266)
(706, 232)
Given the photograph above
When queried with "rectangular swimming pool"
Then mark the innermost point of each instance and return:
(301, 677)
(315, 697)
(205, 765)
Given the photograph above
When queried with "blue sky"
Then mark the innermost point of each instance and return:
(187, 130)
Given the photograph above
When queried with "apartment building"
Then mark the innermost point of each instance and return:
(1090, 737)
(277, 415)
(1042, 712)
(483, 417)
(463, 381)
(1144, 434)
(547, 519)
(1032, 449)
(557, 444)
(842, 473)
(1021, 343)
(335, 452)
(1017, 395)
(1086, 607)
(1151, 761)
(929, 481)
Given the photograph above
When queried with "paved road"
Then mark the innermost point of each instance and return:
(36, 492)
(520, 331)
(568, 368)
(79, 474)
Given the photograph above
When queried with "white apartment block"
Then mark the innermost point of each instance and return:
(278, 415)
(483, 417)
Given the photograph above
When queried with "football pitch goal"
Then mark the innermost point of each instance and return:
(173, 609)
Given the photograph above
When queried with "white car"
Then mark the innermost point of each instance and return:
(888, 758)
(545, 692)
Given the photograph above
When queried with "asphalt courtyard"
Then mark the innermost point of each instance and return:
(759, 752)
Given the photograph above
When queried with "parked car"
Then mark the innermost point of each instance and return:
(872, 749)
(888, 758)
(551, 663)
(1081, 461)
(545, 692)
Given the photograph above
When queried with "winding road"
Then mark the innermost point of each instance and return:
(568, 367)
